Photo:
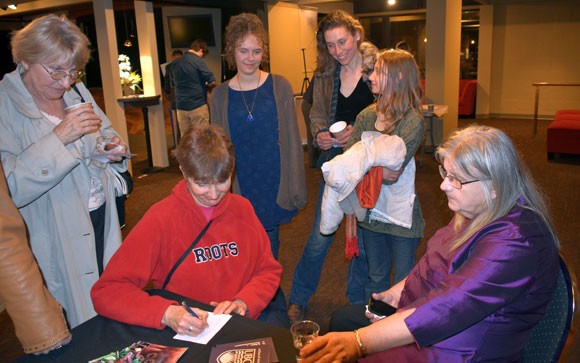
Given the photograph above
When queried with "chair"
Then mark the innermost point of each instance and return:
(548, 338)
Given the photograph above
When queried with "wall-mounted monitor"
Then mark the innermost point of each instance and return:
(185, 29)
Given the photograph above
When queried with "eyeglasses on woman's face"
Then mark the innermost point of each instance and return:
(58, 75)
(453, 181)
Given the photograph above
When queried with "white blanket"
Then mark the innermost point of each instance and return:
(345, 171)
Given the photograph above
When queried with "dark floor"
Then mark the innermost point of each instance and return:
(560, 180)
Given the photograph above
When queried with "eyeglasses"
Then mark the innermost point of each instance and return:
(455, 183)
(58, 75)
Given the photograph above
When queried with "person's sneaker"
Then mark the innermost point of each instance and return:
(295, 313)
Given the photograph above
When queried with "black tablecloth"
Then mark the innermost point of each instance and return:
(100, 336)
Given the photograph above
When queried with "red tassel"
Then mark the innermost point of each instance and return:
(351, 239)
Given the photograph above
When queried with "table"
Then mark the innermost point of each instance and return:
(438, 111)
(143, 102)
(100, 336)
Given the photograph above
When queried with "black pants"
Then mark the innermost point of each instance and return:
(98, 220)
(349, 318)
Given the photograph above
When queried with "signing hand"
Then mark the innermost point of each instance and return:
(226, 307)
(392, 175)
(332, 347)
(76, 123)
(182, 322)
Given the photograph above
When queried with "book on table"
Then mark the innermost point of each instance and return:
(249, 351)
(143, 352)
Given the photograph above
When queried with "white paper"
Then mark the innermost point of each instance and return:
(104, 159)
(215, 321)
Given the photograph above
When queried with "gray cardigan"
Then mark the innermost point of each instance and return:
(292, 192)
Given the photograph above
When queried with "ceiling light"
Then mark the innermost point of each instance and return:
(391, 2)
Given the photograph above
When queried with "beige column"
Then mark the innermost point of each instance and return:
(484, 58)
(108, 61)
(442, 61)
(151, 79)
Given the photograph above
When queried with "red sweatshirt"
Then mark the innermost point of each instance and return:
(233, 260)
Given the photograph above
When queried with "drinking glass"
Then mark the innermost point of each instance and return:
(303, 332)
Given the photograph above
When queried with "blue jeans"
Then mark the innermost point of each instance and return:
(309, 268)
(274, 237)
(276, 312)
(385, 251)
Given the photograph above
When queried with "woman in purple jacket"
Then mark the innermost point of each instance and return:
(485, 279)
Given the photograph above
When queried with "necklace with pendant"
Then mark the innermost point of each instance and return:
(250, 116)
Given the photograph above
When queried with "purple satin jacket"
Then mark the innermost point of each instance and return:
(478, 303)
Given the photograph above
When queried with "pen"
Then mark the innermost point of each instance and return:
(189, 310)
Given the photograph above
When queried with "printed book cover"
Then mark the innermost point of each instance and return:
(249, 351)
(143, 352)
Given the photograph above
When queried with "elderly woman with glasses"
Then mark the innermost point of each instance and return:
(485, 279)
(66, 197)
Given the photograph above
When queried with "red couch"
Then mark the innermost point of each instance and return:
(467, 94)
(563, 135)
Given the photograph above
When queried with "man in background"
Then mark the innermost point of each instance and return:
(191, 81)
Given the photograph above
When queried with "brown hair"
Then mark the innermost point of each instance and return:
(400, 86)
(325, 64)
(238, 28)
(199, 44)
(206, 154)
(51, 39)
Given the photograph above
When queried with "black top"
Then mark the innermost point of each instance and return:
(349, 107)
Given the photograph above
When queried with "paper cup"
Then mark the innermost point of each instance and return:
(430, 107)
(338, 128)
(77, 105)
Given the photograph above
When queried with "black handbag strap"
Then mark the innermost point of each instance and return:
(186, 253)
(74, 86)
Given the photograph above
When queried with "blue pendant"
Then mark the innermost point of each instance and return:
(250, 117)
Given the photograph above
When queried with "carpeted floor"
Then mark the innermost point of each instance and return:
(560, 180)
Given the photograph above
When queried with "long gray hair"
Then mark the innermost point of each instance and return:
(488, 154)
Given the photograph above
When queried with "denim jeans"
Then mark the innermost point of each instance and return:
(276, 312)
(385, 251)
(274, 237)
(309, 268)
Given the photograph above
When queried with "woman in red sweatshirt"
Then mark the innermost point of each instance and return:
(231, 267)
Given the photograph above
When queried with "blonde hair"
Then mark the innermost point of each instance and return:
(487, 154)
(239, 27)
(400, 86)
(325, 63)
(368, 52)
(51, 39)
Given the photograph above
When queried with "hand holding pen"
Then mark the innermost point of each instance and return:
(184, 320)
(200, 320)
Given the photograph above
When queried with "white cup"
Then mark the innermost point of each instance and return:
(78, 105)
(338, 128)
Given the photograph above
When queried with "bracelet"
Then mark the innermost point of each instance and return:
(361, 347)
